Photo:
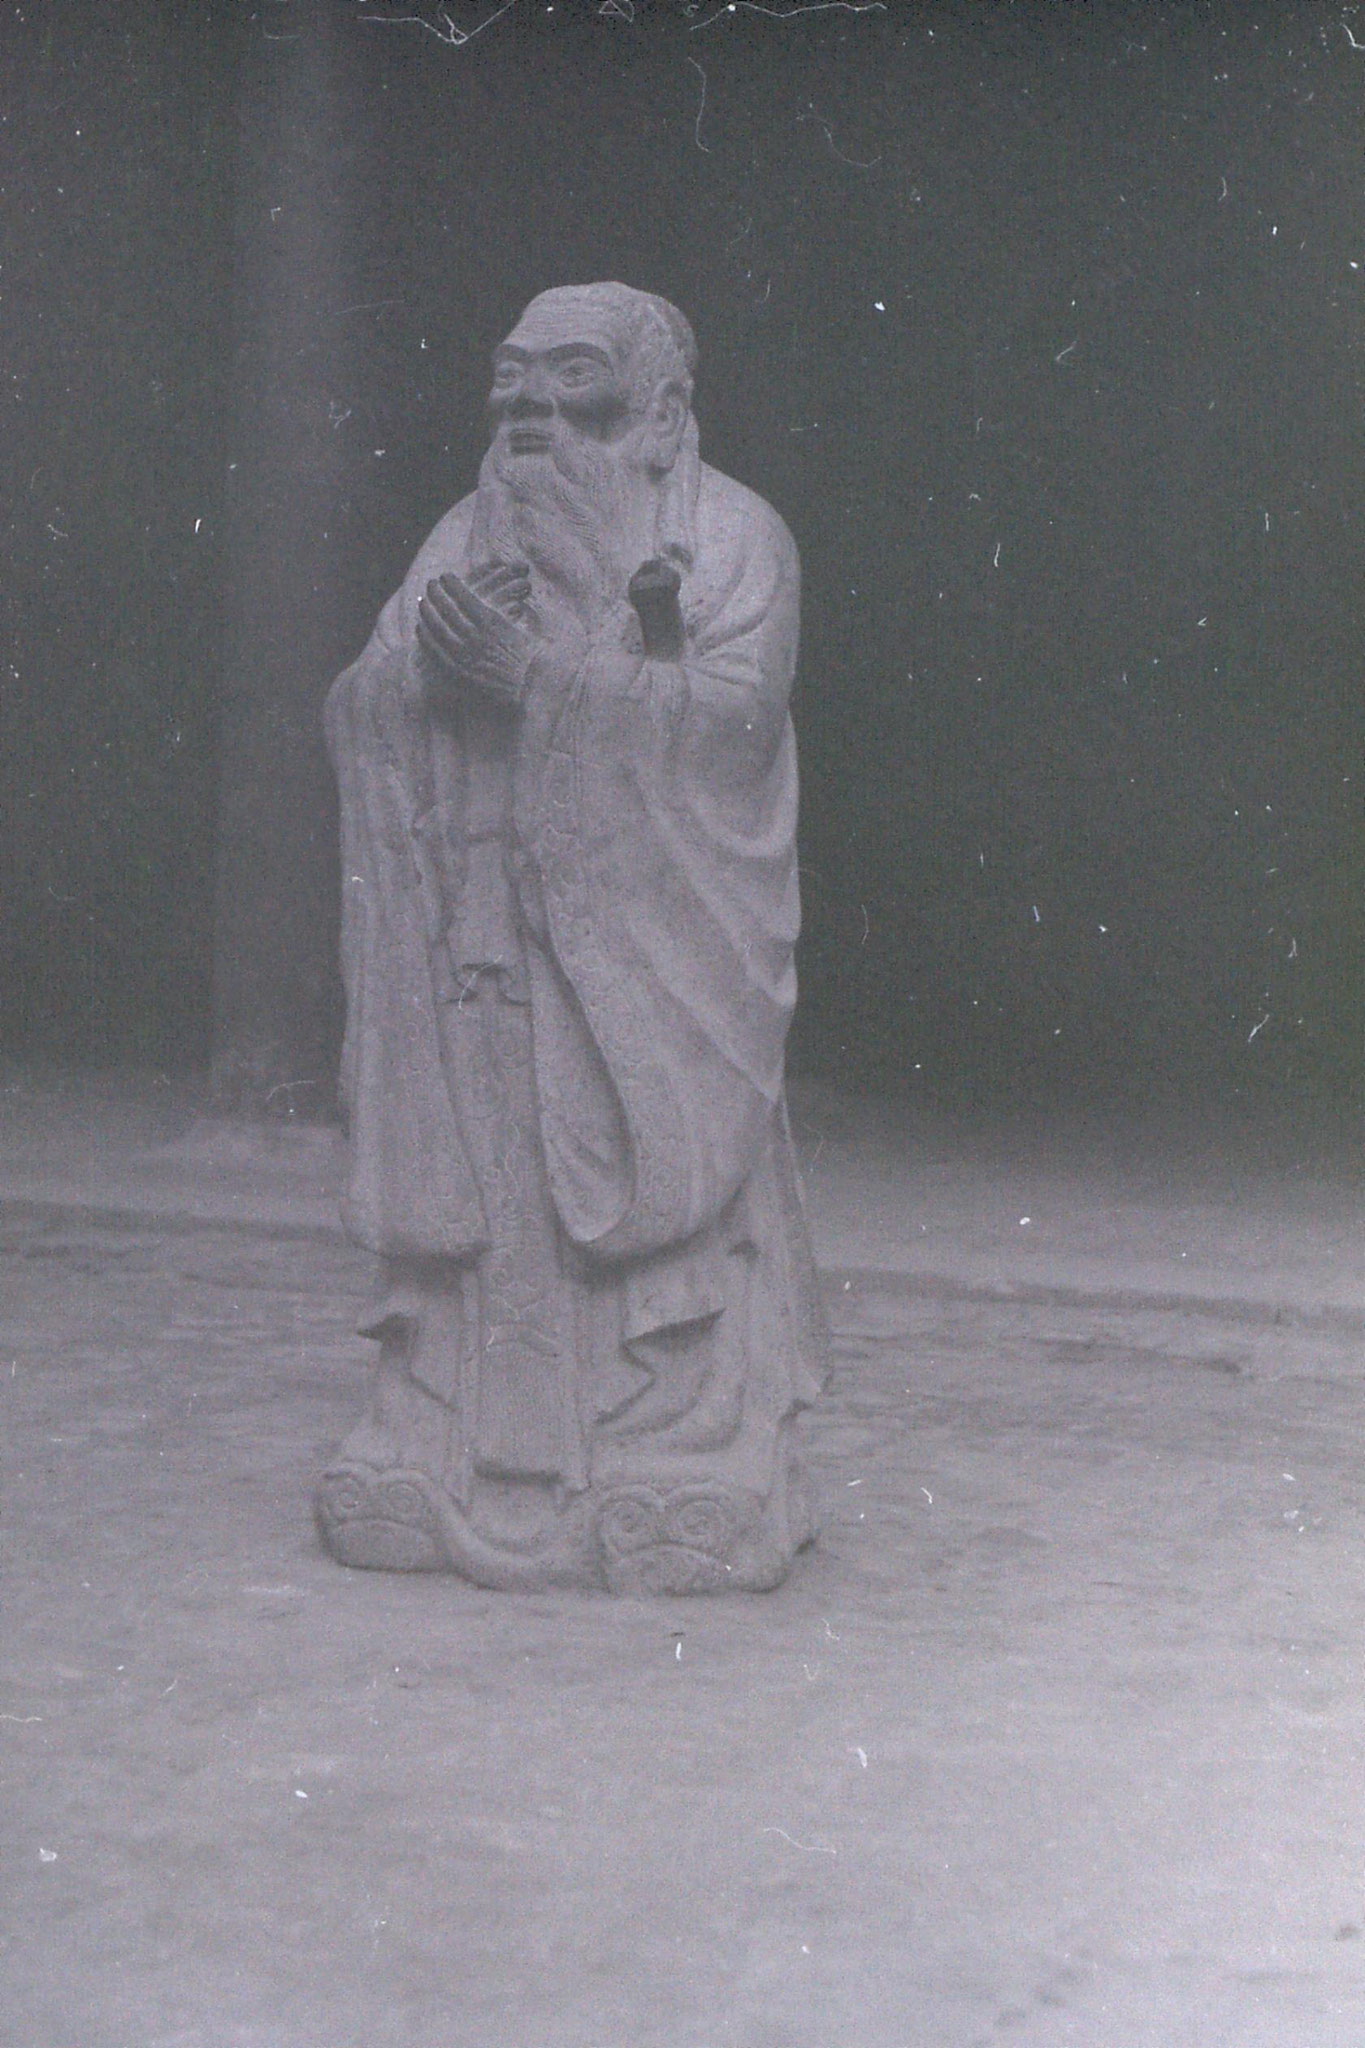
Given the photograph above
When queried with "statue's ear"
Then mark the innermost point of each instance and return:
(665, 421)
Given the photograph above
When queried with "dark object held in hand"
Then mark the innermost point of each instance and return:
(653, 591)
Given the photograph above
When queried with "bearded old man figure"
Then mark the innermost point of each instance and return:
(568, 797)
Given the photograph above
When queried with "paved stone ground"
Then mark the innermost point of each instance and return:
(1056, 1737)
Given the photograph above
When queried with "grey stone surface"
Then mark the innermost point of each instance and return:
(568, 794)
(1053, 1738)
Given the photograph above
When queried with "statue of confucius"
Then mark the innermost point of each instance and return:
(568, 800)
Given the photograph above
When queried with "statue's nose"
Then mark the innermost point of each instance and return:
(531, 397)
(527, 403)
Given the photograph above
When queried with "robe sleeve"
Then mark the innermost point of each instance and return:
(411, 1189)
(657, 817)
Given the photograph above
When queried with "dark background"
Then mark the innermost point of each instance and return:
(1040, 324)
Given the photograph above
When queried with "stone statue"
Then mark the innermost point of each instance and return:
(568, 802)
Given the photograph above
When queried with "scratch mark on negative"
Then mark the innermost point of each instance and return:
(856, 162)
(701, 106)
(790, 13)
(808, 1848)
(445, 29)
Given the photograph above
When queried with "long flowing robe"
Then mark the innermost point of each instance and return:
(567, 946)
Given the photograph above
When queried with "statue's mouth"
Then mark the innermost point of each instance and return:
(528, 441)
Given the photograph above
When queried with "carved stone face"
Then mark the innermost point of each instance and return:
(549, 383)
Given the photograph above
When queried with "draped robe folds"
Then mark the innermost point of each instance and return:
(610, 876)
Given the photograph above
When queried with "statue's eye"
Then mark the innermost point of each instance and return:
(577, 373)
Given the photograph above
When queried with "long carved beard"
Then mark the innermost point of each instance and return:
(582, 517)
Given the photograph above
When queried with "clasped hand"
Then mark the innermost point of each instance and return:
(469, 632)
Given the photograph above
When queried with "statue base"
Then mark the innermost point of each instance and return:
(662, 1532)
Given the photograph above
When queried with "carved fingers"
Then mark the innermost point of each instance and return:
(504, 584)
(469, 633)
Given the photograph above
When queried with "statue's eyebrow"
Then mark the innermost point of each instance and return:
(508, 352)
(579, 348)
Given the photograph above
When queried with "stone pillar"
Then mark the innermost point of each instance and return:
(277, 1003)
